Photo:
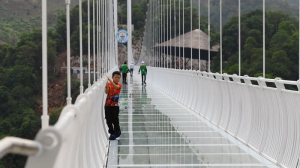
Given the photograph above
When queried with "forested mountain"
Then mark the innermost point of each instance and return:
(230, 8)
(20, 16)
(281, 45)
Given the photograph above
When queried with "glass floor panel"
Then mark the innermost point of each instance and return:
(159, 132)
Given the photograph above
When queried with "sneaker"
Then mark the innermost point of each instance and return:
(112, 137)
(142, 83)
(118, 133)
(145, 83)
(125, 83)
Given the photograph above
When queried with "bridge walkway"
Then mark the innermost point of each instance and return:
(157, 131)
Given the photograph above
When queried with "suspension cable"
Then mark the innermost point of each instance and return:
(199, 24)
(183, 23)
(89, 47)
(191, 35)
(80, 46)
(94, 58)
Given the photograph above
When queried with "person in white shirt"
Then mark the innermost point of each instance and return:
(131, 68)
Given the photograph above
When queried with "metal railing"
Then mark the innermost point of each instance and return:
(266, 118)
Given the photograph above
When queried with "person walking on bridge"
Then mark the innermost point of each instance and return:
(131, 68)
(143, 69)
(124, 72)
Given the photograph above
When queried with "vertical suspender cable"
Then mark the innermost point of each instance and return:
(183, 24)
(102, 29)
(153, 32)
(100, 34)
(129, 43)
(94, 60)
(110, 36)
(264, 38)
(221, 41)
(239, 37)
(208, 36)
(107, 32)
(80, 41)
(45, 116)
(191, 35)
(116, 31)
(199, 21)
(179, 67)
(89, 46)
(170, 35)
(157, 34)
(69, 98)
(102, 39)
(167, 32)
(175, 38)
(105, 37)
(111, 33)
(164, 34)
(110, 29)
(160, 65)
(97, 20)
(97, 33)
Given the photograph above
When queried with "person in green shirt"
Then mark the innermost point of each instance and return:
(124, 72)
(143, 69)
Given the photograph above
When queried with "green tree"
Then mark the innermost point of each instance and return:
(281, 64)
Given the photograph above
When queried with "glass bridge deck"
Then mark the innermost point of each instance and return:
(159, 132)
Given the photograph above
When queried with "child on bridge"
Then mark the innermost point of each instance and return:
(112, 89)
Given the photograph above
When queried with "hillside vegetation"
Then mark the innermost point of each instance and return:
(20, 16)
(230, 8)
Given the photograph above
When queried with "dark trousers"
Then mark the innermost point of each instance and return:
(124, 75)
(143, 77)
(112, 118)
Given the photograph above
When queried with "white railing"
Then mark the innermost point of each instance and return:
(264, 118)
(78, 140)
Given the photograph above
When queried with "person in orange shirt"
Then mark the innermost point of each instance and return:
(112, 89)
